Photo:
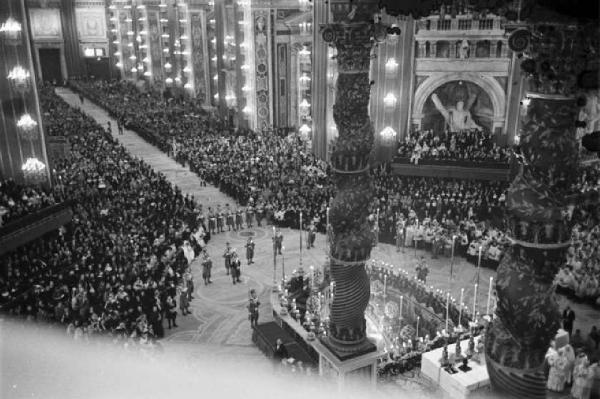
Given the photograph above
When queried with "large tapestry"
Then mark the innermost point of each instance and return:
(261, 28)
(198, 54)
(91, 24)
(458, 105)
(45, 23)
(126, 51)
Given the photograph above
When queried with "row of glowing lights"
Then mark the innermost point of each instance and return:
(26, 122)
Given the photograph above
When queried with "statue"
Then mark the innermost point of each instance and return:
(458, 351)
(444, 360)
(464, 49)
(457, 118)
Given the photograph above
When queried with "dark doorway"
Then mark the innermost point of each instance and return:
(50, 63)
(98, 68)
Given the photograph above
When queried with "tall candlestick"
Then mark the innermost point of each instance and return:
(384, 285)
(418, 318)
(461, 304)
(300, 238)
(274, 260)
(474, 302)
(401, 303)
(487, 307)
(283, 265)
(452, 257)
(479, 263)
(447, 311)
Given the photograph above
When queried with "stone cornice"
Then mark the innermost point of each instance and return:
(485, 66)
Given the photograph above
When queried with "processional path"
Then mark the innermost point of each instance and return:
(219, 323)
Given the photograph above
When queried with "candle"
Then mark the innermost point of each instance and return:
(327, 213)
(447, 310)
(461, 304)
(401, 303)
(487, 308)
(384, 284)
(474, 301)
(418, 318)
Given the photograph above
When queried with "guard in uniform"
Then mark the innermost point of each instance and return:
(230, 221)
(212, 221)
(206, 267)
(220, 222)
(249, 216)
(239, 218)
(400, 233)
(312, 235)
(250, 250)
(227, 255)
(278, 241)
(236, 267)
(260, 213)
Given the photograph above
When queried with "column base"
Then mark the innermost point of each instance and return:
(346, 352)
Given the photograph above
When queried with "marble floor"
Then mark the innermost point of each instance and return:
(219, 322)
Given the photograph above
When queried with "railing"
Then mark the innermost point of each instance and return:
(452, 162)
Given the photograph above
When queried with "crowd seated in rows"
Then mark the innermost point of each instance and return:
(120, 267)
(472, 146)
(580, 275)
(270, 173)
(17, 200)
(435, 214)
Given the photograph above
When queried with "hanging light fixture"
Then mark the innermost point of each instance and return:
(390, 100)
(391, 65)
(11, 30)
(26, 123)
(34, 170)
(19, 78)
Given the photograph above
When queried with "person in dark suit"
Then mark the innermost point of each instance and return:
(281, 352)
(568, 318)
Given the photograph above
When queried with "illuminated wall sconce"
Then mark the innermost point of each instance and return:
(216, 96)
(517, 139)
(178, 80)
(166, 51)
(134, 70)
(119, 64)
(148, 73)
(168, 66)
(184, 37)
(390, 100)
(246, 88)
(146, 60)
(129, 44)
(117, 53)
(391, 65)
(245, 67)
(19, 78)
(188, 86)
(526, 101)
(132, 57)
(216, 77)
(169, 81)
(187, 69)
(165, 35)
(247, 109)
(304, 103)
(230, 99)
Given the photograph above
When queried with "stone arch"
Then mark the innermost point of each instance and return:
(487, 83)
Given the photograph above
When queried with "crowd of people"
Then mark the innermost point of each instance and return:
(17, 200)
(121, 266)
(469, 146)
(276, 177)
(442, 214)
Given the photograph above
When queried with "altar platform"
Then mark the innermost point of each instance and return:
(459, 385)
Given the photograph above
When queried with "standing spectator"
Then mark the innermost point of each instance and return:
(206, 267)
(171, 311)
(422, 270)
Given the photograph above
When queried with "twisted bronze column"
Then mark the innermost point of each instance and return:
(350, 235)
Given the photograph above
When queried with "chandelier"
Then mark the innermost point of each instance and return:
(34, 170)
(11, 30)
(19, 78)
(27, 127)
